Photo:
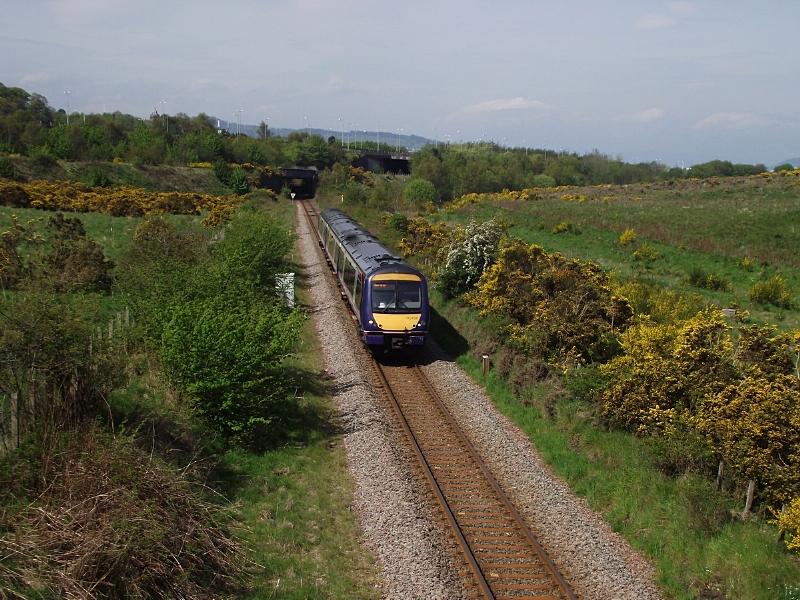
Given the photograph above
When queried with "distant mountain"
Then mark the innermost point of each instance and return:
(353, 137)
(795, 162)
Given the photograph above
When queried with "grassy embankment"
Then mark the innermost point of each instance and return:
(290, 503)
(681, 524)
(295, 500)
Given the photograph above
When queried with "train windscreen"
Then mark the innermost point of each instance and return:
(396, 296)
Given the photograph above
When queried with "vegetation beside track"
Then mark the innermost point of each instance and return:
(196, 503)
(675, 516)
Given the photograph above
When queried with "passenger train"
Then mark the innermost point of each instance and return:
(388, 296)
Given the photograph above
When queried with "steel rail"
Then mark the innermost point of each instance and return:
(509, 505)
(477, 572)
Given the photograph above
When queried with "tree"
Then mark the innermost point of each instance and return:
(419, 192)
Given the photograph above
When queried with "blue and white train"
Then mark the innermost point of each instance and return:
(388, 296)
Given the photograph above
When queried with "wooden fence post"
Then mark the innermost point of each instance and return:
(485, 364)
(13, 427)
(720, 472)
(751, 488)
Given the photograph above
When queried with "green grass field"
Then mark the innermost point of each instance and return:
(692, 226)
(114, 234)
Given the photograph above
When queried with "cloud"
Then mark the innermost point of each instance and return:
(653, 21)
(644, 116)
(502, 104)
(34, 78)
(683, 8)
(732, 121)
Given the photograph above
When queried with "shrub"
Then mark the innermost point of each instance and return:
(564, 227)
(646, 253)
(75, 262)
(419, 192)
(43, 158)
(220, 326)
(746, 263)
(560, 308)
(788, 521)
(773, 291)
(68, 262)
(661, 305)
(683, 450)
(763, 352)
(543, 181)
(709, 281)
(112, 519)
(7, 169)
(222, 171)
(226, 350)
(469, 256)
(667, 370)
(585, 383)
(707, 509)
(13, 268)
(398, 222)
(238, 181)
(627, 237)
(754, 425)
(426, 240)
(158, 267)
(118, 201)
(97, 178)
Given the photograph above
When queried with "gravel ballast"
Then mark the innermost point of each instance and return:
(398, 522)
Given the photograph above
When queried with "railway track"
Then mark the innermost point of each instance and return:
(503, 557)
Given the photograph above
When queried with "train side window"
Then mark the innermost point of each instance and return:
(340, 260)
(348, 276)
(357, 292)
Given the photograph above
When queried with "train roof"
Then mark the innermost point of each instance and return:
(370, 255)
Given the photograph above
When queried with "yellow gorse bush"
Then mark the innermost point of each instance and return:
(496, 197)
(627, 237)
(740, 392)
(427, 240)
(562, 309)
(123, 201)
(755, 426)
(789, 522)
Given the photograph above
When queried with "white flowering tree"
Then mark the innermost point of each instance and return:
(468, 256)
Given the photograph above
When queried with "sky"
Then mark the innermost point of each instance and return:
(680, 82)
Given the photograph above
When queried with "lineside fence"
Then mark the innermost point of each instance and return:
(38, 399)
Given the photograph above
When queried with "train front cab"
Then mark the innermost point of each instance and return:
(394, 311)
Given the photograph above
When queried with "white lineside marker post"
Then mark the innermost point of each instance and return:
(293, 195)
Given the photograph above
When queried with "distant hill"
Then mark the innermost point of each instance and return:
(795, 162)
(412, 142)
